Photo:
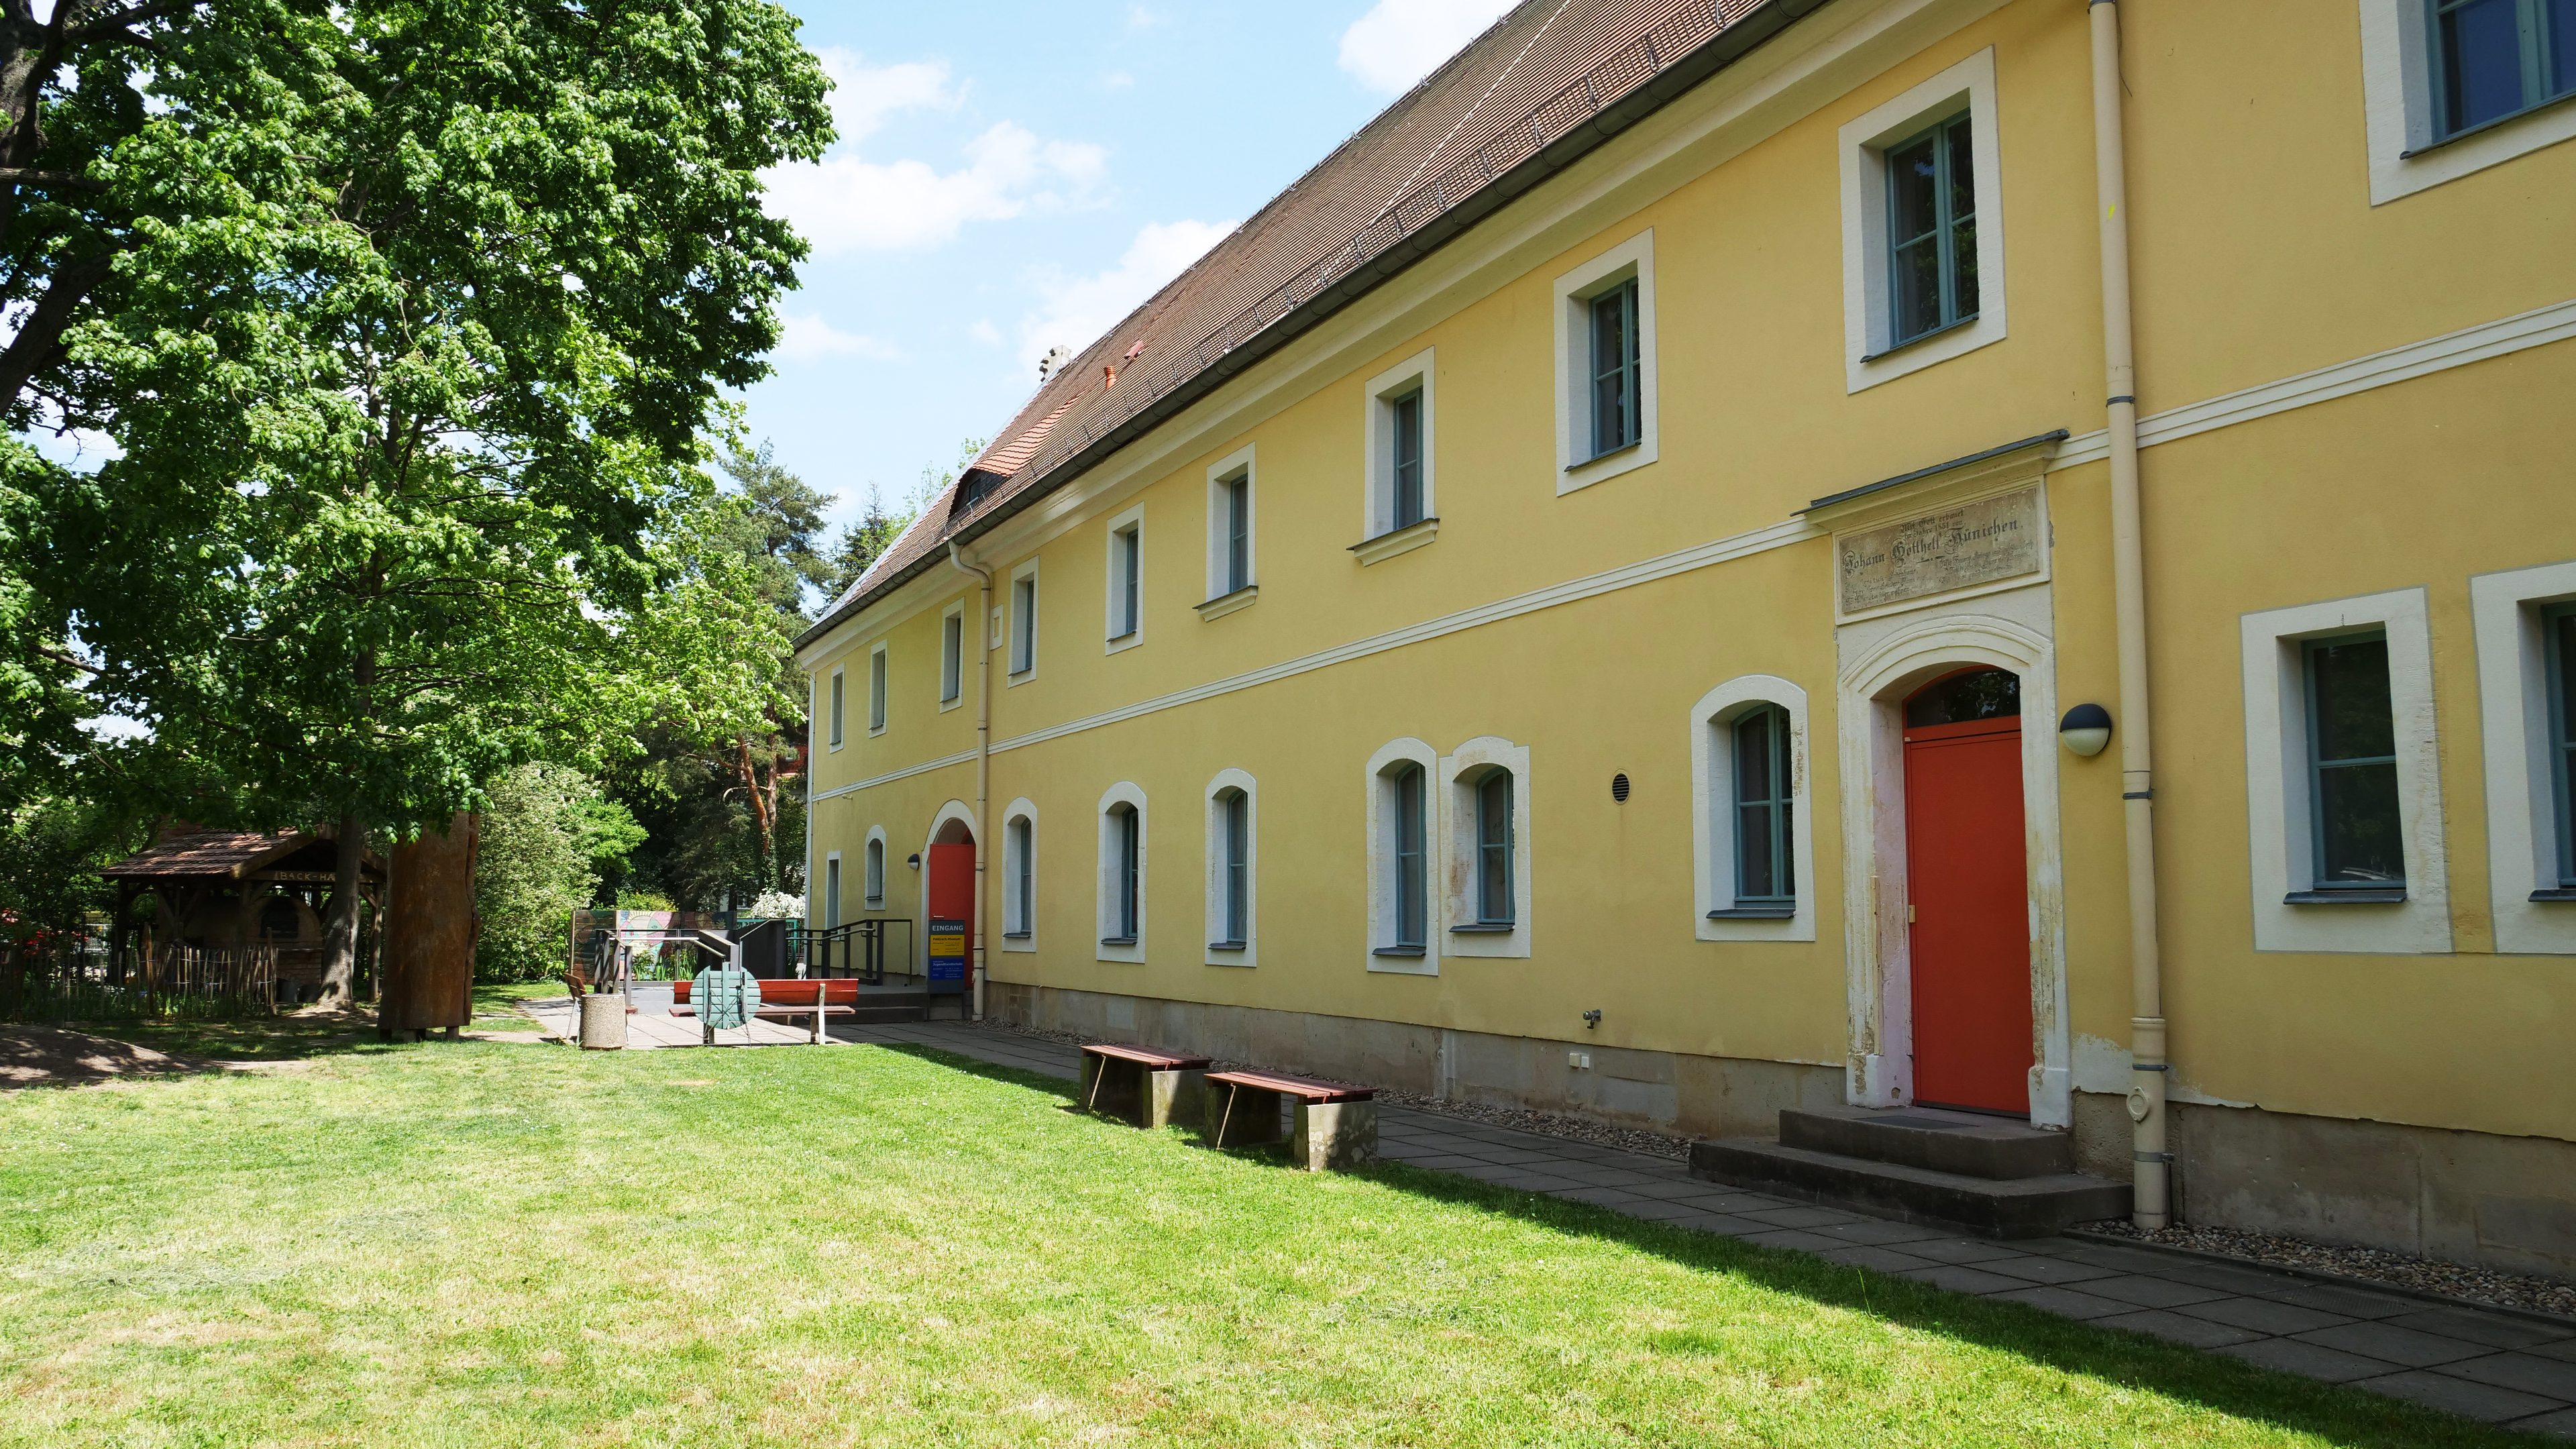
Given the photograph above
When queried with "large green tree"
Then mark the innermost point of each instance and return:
(406, 319)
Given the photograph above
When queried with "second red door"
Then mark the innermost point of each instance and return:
(1965, 864)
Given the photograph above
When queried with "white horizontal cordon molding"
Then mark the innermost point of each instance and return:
(2536, 328)
(962, 757)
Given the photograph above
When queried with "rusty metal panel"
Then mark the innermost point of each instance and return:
(430, 929)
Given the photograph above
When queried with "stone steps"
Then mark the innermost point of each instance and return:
(1985, 1175)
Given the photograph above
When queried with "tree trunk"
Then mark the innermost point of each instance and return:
(340, 937)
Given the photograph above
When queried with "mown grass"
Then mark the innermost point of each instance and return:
(470, 1243)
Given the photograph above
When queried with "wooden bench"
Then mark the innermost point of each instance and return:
(1141, 1085)
(1336, 1126)
(785, 1000)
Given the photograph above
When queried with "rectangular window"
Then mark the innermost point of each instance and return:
(1616, 359)
(1411, 895)
(1238, 866)
(877, 690)
(2558, 642)
(1764, 873)
(836, 709)
(952, 658)
(2352, 755)
(1238, 533)
(1494, 849)
(832, 892)
(1024, 624)
(1024, 892)
(1932, 231)
(872, 878)
(1128, 583)
(2497, 57)
(1404, 416)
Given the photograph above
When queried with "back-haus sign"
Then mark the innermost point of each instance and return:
(1974, 543)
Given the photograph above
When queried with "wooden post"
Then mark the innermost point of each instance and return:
(430, 928)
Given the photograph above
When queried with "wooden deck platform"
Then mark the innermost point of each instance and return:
(646, 1031)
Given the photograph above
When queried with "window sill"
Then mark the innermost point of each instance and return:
(950, 703)
(1015, 935)
(1117, 940)
(1224, 604)
(2361, 896)
(1754, 913)
(1228, 945)
(1396, 540)
(1605, 455)
(1018, 677)
(873, 904)
(1414, 951)
(1919, 339)
(2482, 127)
(1485, 928)
(2553, 893)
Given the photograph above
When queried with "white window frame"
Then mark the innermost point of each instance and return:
(831, 891)
(1125, 792)
(1222, 600)
(1574, 291)
(2398, 121)
(1133, 520)
(1250, 952)
(1868, 311)
(880, 688)
(837, 731)
(872, 862)
(1712, 745)
(2513, 711)
(952, 663)
(1381, 848)
(1456, 799)
(1023, 627)
(1019, 930)
(2276, 781)
(1378, 533)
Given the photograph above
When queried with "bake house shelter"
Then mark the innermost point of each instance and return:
(223, 890)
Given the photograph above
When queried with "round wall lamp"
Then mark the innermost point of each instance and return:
(2085, 730)
(914, 860)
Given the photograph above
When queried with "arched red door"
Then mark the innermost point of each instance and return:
(952, 898)
(1966, 883)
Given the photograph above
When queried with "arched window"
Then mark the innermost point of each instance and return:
(875, 878)
(1765, 848)
(1234, 868)
(1126, 848)
(1408, 862)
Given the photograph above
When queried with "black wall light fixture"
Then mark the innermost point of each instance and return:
(2085, 730)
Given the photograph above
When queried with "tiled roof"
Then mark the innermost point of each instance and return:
(221, 853)
(1548, 82)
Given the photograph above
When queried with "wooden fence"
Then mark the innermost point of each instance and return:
(159, 981)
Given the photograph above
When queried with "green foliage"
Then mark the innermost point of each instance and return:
(51, 849)
(533, 868)
(644, 900)
(408, 317)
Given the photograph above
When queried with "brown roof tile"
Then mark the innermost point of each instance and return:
(223, 853)
(1550, 78)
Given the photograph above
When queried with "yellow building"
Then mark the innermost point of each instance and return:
(1574, 603)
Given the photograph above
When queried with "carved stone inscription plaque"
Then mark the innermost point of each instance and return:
(1939, 553)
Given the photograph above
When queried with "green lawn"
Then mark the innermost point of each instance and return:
(477, 1244)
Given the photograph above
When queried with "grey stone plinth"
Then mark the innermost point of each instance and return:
(1172, 1099)
(1233, 1116)
(1334, 1136)
(1132, 1093)
(603, 1023)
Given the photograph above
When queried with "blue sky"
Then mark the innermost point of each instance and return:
(1013, 176)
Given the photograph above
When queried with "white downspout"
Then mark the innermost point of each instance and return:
(983, 757)
(2152, 1204)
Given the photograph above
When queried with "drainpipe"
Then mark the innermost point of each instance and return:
(983, 754)
(2152, 1201)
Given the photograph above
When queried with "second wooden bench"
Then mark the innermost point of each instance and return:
(1335, 1125)
(1147, 1087)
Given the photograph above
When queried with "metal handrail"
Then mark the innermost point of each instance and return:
(858, 948)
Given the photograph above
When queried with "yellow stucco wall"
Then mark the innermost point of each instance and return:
(2258, 257)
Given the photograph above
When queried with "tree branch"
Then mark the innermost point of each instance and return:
(40, 339)
(110, 26)
(16, 176)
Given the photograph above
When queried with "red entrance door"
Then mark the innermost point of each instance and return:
(1965, 870)
(952, 893)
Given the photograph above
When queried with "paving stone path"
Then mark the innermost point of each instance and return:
(2502, 1368)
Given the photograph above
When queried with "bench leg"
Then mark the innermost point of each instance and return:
(1172, 1098)
(1333, 1136)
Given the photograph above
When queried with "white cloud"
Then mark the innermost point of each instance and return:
(1140, 18)
(1399, 42)
(1078, 309)
(116, 727)
(1117, 80)
(803, 337)
(848, 202)
(985, 332)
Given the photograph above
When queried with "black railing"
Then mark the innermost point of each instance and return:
(861, 949)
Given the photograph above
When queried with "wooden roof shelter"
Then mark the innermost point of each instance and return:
(193, 871)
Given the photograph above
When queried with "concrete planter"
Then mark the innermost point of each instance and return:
(603, 1023)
